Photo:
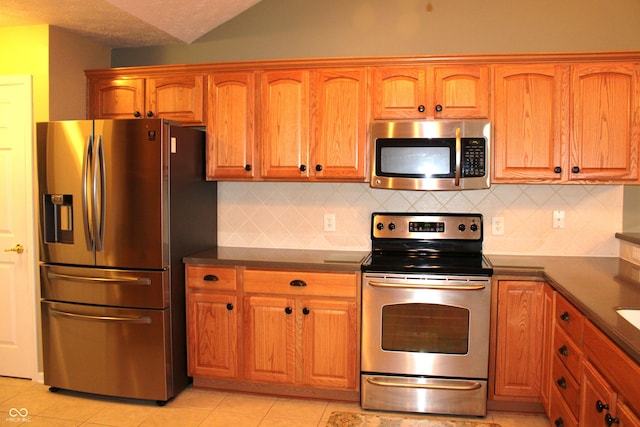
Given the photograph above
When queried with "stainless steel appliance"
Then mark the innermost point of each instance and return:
(121, 202)
(425, 315)
(431, 155)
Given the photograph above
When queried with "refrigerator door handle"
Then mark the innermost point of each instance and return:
(87, 194)
(114, 280)
(141, 319)
(99, 193)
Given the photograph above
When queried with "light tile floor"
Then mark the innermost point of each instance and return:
(192, 407)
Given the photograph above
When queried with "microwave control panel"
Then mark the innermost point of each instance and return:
(473, 157)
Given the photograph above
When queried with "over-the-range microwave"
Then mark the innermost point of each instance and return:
(431, 154)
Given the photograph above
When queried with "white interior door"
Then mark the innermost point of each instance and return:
(18, 286)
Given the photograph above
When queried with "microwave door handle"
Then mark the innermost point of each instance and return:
(458, 158)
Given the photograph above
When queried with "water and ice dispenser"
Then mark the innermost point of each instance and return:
(58, 218)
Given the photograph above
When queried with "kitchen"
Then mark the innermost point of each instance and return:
(263, 209)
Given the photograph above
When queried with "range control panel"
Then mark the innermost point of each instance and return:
(424, 226)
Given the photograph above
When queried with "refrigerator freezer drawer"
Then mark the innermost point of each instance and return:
(100, 286)
(108, 351)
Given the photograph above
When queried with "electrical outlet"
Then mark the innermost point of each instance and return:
(558, 219)
(329, 222)
(497, 226)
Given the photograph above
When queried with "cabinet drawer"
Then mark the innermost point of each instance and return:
(211, 278)
(301, 283)
(569, 319)
(566, 385)
(567, 352)
(559, 413)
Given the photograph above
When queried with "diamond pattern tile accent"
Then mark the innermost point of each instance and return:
(290, 215)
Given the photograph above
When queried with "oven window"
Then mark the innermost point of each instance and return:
(425, 328)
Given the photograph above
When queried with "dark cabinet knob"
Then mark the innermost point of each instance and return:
(610, 420)
(305, 311)
(136, 114)
(229, 306)
(562, 382)
(564, 351)
(288, 310)
(298, 282)
(565, 317)
(149, 113)
(247, 167)
(210, 278)
(438, 108)
(557, 169)
(421, 108)
(303, 168)
(318, 168)
(601, 406)
(559, 422)
(575, 169)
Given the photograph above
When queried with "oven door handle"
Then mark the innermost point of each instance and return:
(436, 385)
(409, 285)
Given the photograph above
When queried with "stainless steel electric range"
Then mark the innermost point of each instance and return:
(425, 314)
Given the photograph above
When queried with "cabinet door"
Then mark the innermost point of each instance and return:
(461, 92)
(399, 92)
(116, 98)
(627, 417)
(529, 117)
(212, 325)
(597, 399)
(339, 124)
(519, 334)
(231, 125)
(284, 105)
(605, 131)
(177, 97)
(329, 343)
(270, 335)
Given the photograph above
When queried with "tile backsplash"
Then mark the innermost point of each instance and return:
(290, 215)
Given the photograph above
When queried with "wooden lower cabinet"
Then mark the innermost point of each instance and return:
(599, 400)
(274, 331)
(519, 332)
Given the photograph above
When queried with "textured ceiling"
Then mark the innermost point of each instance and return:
(126, 23)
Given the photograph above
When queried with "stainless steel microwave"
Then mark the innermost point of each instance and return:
(431, 154)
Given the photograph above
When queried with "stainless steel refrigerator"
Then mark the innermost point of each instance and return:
(120, 202)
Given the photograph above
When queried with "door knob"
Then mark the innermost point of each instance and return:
(17, 248)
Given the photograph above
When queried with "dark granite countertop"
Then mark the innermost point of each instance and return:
(629, 237)
(597, 286)
(280, 258)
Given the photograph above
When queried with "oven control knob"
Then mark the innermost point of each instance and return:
(474, 227)
(392, 226)
(462, 227)
(380, 226)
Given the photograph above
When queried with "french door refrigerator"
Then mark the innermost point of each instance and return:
(121, 202)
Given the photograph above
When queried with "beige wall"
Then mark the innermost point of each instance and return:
(56, 59)
(275, 29)
(69, 56)
(24, 50)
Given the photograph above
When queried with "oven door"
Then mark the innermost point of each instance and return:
(426, 325)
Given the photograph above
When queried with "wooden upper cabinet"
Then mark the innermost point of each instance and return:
(529, 122)
(231, 126)
(116, 98)
(339, 120)
(430, 92)
(284, 130)
(606, 121)
(178, 97)
(461, 92)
